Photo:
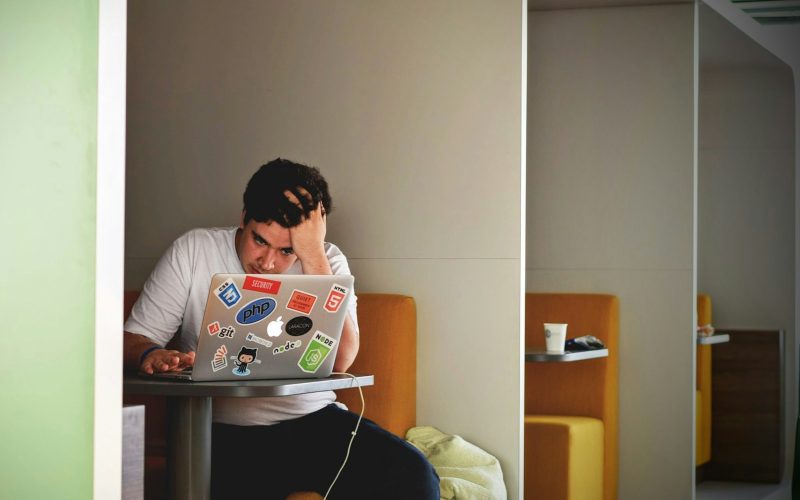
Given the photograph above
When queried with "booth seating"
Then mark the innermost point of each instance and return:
(388, 349)
(703, 388)
(571, 408)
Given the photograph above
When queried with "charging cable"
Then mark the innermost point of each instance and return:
(358, 422)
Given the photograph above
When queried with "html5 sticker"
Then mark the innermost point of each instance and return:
(335, 298)
(301, 302)
(261, 285)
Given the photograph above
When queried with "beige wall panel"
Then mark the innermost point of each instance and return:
(467, 346)
(655, 373)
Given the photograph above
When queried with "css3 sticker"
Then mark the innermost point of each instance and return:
(228, 294)
(316, 352)
(335, 298)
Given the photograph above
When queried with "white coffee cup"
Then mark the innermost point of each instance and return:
(555, 334)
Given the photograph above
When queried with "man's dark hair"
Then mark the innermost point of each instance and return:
(264, 198)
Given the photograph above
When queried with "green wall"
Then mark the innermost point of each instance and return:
(48, 131)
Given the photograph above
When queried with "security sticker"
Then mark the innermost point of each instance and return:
(316, 352)
(255, 311)
(226, 332)
(261, 285)
(335, 298)
(246, 356)
(299, 326)
(228, 294)
(220, 360)
(301, 302)
(258, 340)
(213, 328)
(288, 346)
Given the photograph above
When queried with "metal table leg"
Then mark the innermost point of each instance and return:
(189, 448)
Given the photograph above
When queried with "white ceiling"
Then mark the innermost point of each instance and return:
(589, 4)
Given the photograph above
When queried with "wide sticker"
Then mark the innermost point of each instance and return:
(261, 285)
(288, 346)
(220, 360)
(213, 328)
(258, 340)
(335, 298)
(274, 328)
(226, 332)
(316, 352)
(228, 294)
(299, 326)
(246, 356)
(301, 302)
(255, 311)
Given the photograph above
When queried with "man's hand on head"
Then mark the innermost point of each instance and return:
(308, 237)
(165, 360)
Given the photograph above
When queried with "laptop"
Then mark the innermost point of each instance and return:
(269, 326)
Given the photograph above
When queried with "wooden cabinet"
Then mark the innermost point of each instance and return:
(747, 438)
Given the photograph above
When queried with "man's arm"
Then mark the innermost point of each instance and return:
(157, 360)
(308, 243)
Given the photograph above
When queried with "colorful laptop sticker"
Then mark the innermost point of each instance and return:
(335, 298)
(220, 360)
(316, 352)
(228, 294)
(262, 285)
(301, 302)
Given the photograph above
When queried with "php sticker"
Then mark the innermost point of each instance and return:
(258, 340)
(220, 360)
(335, 298)
(301, 302)
(299, 326)
(288, 346)
(213, 328)
(316, 352)
(261, 285)
(227, 332)
(228, 294)
(255, 311)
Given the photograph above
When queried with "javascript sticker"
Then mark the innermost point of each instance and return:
(316, 351)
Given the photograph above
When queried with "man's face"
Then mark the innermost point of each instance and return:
(264, 247)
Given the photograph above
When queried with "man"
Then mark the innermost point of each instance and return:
(291, 443)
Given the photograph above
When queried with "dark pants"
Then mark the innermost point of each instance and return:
(304, 454)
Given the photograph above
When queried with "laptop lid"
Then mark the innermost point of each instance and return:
(271, 326)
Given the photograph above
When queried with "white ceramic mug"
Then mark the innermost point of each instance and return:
(555, 334)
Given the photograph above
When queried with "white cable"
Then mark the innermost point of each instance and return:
(358, 422)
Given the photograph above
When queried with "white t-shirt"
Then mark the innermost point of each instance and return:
(173, 300)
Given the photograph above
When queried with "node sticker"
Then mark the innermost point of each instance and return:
(255, 311)
(226, 332)
(220, 360)
(228, 294)
(258, 340)
(335, 298)
(316, 352)
(288, 346)
(301, 302)
(299, 326)
(246, 356)
(213, 328)
(261, 285)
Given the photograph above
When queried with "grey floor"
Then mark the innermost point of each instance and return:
(716, 490)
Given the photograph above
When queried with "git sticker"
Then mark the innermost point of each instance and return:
(335, 298)
(213, 328)
(228, 294)
(220, 360)
(226, 332)
(301, 302)
(316, 352)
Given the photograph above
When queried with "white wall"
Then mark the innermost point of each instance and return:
(610, 209)
(746, 209)
(412, 110)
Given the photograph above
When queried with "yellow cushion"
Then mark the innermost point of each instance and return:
(563, 458)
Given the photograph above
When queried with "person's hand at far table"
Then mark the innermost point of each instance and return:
(165, 360)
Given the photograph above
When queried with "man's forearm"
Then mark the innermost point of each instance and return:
(133, 345)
